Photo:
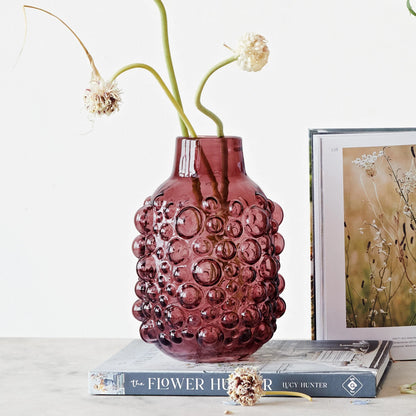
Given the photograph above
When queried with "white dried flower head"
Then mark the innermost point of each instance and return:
(368, 162)
(252, 52)
(102, 97)
(407, 182)
(245, 386)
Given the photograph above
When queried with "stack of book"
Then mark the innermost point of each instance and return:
(317, 368)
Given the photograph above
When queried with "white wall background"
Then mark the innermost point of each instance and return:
(69, 189)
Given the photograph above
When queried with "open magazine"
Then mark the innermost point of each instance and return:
(364, 235)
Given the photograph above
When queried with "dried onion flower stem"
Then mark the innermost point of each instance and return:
(203, 109)
(169, 64)
(409, 7)
(94, 68)
(252, 54)
(164, 87)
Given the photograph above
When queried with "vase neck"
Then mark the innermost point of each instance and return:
(208, 155)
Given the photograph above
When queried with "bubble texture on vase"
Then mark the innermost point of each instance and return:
(208, 251)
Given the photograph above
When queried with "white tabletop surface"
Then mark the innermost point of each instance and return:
(48, 376)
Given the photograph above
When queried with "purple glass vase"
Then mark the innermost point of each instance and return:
(208, 284)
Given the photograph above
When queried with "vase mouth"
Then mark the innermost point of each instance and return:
(209, 137)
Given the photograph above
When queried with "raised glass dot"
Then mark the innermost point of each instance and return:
(250, 316)
(263, 333)
(202, 246)
(157, 311)
(214, 225)
(258, 292)
(225, 249)
(146, 267)
(216, 296)
(180, 274)
(160, 253)
(207, 272)
(158, 202)
(163, 300)
(229, 320)
(161, 281)
(231, 269)
(148, 331)
(274, 226)
(229, 304)
(188, 222)
(166, 232)
(151, 243)
(281, 284)
(249, 251)
(264, 242)
(186, 333)
(175, 316)
(262, 201)
(160, 325)
(178, 250)
(148, 309)
(249, 274)
(152, 292)
(244, 336)
(265, 310)
(163, 340)
(210, 205)
(139, 246)
(140, 289)
(171, 289)
(256, 221)
(268, 267)
(137, 310)
(209, 313)
(209, 335)
(144, 220)
(278, 213)
(170, 210)
(280, 307)
(165, 267)
(235, 209)
(234, 229)
(194, 320)
(159, 217)
(271, 289)
(231, 286)
(279, 243)
(175, 336)
(189, 296)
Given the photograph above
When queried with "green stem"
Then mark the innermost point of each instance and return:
(169, 64)
(204, 110)
(410, 8)
(164, 87)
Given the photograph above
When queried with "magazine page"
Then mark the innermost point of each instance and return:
(364, 236)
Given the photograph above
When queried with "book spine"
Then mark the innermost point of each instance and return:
(361, 384)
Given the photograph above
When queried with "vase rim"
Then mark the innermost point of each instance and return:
(208, 137)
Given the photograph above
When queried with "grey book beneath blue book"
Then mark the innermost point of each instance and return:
(318, 368)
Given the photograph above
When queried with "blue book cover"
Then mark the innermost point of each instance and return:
(318, 368)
